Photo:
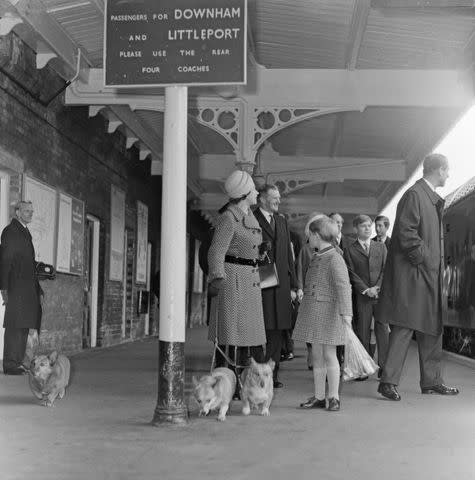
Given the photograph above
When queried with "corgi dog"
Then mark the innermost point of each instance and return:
(49, 377)
(257, 387)
(215, 391)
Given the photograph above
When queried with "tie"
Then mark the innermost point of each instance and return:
(366, 248)
(272, 222)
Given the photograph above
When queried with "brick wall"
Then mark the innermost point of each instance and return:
(65, 148)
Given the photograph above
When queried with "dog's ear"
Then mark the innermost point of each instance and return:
(53, 356)
(271, 364)
(195, 381)
(252, 362)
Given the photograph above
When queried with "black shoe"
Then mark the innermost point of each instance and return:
(286, 357)
(441, 390)
(313, 402)
(389, 391)
(14, 371)
(333, 405)
(361, 379)
(278, 384)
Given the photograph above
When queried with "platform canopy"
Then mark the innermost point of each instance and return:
(343, 97)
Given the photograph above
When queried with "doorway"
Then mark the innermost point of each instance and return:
(4, 204)
(91, 282)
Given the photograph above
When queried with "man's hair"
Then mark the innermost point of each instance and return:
(264, 190)
(382, 218)
(359, 219)
(433, 162)
(326, 227)
(334, 214)
(21, 203)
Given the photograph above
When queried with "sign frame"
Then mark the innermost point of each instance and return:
(169, 84)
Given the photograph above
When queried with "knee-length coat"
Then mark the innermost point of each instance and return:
(276, 301)
(412, 294)
(237, 308)
(18, 277)
(327, 296)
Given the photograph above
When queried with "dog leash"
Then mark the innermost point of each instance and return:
(220, 350)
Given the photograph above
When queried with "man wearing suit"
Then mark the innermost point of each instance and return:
(341, 240)
(412, 295)
(366, 259)
(276, 301)
(381, 225)
(19, 287)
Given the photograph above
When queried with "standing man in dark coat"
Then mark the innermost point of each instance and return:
(381, 225)
(276, 301)
(412, 298)
(20, 288)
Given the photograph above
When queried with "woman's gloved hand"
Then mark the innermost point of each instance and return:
(215, 286)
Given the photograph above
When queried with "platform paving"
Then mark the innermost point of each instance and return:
(101, 429)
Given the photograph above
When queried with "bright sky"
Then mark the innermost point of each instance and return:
(459, 147)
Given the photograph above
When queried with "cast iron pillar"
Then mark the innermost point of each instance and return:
(171, 407)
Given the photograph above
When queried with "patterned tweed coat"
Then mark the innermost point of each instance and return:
(238, 307)
(327, 296)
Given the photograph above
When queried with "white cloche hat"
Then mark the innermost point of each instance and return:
(239, 183)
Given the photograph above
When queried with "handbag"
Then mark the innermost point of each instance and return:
(44, 271)
(269, 277)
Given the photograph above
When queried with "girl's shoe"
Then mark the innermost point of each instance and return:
(313, 402)
(333, 405)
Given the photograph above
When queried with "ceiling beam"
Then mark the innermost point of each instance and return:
(385, 170)
(301, 203)
(422, 3)
(345, 89)
(357, 28)
(218, 167)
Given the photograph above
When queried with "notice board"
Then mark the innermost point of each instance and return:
(142, 242)
(175, 42)
(70, 251)
(43, 224)
(117, 231)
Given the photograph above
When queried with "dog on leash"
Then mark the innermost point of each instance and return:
(49, 377)
(257, 387)
(215, 391)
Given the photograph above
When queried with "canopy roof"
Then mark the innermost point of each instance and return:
(343, 100)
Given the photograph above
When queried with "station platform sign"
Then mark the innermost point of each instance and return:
(151, 43)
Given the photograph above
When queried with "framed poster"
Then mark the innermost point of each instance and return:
(43, 224)
(70, 251)
(117, 230)
(142, 241)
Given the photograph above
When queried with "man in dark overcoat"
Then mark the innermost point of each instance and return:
(276, 301)
(412, 297)
(19, 287)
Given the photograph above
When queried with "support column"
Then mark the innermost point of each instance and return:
(171, 407)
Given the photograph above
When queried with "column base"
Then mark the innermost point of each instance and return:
(171, 407)
(171, 417)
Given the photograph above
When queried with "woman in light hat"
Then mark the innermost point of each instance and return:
(236, 316)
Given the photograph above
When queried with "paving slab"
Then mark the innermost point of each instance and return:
(102, 428)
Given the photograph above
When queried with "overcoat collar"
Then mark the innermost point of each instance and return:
(435, 198)
(360, 249)
(17, 224)
(249, 221)
(264, 223)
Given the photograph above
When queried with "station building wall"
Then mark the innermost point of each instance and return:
(66, 149)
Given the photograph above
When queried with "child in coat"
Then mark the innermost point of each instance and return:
(325, 309)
